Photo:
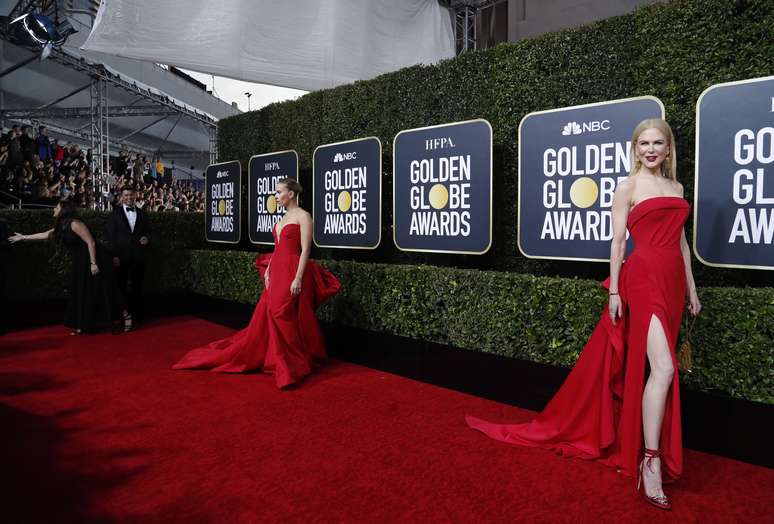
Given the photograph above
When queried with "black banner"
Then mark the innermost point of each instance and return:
(442, 188)
(263, 210)
(570, 162)
(347, 189)
(223, 199)
(734, 204)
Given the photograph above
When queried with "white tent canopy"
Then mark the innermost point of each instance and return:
(302, 44)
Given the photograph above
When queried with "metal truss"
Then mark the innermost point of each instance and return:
(100, 142)
(465, 22)
(85, 112)
(186, 153)
(213, 144)
(100, 72)
(465, 28)
(83, 135)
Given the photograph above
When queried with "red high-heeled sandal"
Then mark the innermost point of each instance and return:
(660, 501)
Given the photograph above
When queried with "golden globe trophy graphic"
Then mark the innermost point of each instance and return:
(271, 204)
(264, 211)
(344, 201)
(584, 192)
(346, 186)
(439, 196)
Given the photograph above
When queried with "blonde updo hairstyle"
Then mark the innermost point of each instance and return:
(669, 166)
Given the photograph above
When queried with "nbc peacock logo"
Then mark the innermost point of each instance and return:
(572, 128)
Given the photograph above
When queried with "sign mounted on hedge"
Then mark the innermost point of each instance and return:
(734, 191)
(442, 188)
(223, 197)
(570, 162)
(347, 199)
(263, 210)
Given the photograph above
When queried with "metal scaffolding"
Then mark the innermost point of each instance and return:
(100, 139)
(465, 12)
(465, 28)
(213, 130)
(96, 131)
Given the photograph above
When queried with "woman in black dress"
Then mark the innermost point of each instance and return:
(91, 301)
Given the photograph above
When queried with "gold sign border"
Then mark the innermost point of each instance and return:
(518, 138)
(696, 176)
(491, 188)
(250, 190)
(207, 203)
(378, 240)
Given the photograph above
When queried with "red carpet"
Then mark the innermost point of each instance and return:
(99, 429)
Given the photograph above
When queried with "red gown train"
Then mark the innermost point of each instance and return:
(283, 338)
(597, 413)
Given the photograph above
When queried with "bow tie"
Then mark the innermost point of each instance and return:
(129, 209)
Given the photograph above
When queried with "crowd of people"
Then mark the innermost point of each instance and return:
(37, 169)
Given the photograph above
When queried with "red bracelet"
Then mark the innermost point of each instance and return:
(611, 293)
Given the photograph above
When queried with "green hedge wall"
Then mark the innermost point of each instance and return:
(541, 319)
(671, 50)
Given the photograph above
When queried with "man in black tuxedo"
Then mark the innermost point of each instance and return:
(128, 238)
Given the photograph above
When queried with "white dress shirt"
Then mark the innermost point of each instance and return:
(131, 216)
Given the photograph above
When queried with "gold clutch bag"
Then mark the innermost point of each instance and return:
(685, 353)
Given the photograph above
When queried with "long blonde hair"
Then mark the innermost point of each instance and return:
(669, 166)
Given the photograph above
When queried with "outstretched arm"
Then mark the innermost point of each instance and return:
(18, 237)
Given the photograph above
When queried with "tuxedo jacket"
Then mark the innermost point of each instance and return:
(122, 241)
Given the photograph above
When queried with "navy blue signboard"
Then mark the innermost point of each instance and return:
(263, 210)
(347, 187)
(223, 197)
(734, 191)
(570, 162)
(442, 188)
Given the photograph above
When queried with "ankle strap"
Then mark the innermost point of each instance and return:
(651, 454)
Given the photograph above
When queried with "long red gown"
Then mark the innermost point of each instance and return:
(597, 413)
(284, 337)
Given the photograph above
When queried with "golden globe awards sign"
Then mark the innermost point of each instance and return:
(734, 191)
(347, 191)
(223, 197)
(442, 188)
(263, 173)
(570, 162)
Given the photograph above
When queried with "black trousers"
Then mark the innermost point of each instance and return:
(130, 276)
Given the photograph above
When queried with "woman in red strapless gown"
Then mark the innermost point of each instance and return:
(620, 403)
(283, 338)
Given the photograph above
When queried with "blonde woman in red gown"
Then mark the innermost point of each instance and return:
(284, 337)
(620, 403)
